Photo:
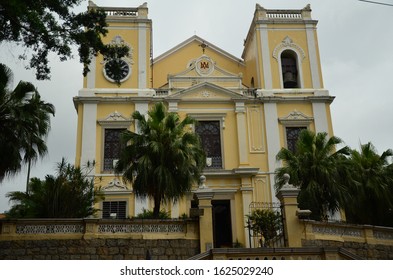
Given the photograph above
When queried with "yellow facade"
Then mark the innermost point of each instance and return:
(255, 102)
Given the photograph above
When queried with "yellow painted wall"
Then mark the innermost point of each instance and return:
(251, 60)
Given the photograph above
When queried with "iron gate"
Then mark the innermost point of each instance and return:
(257, 238)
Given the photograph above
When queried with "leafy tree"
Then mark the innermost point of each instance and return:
(370, 187)
(162, 159)
(68, 194)
(314, 167)
(43, 27)
(24, 124)
(265, 222)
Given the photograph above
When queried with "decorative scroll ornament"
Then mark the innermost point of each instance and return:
(115, 185)
(296, 117)
(115, 118)
(288, 43)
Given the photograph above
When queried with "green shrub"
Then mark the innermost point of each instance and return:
(148, 214)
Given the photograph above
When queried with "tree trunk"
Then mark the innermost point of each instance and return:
(156, 209)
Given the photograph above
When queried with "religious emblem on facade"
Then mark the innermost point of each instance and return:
(204, 65)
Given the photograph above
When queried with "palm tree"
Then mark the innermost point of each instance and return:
(371, 187)
(162, 160)
(314, 167)
(24, 124)
(68, 194)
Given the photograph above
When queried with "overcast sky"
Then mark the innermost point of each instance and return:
(355, 41)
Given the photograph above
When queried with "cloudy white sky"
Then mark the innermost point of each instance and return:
(355, 40)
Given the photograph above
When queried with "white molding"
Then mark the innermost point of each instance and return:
(90, 92)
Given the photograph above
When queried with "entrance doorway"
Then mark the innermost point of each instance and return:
(222, 226)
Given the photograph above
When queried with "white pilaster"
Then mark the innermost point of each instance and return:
(142, 51)
(267, 72)
(241, 133)
(273, 142)
(89, 133)
(320, 117)
(141, 203)
(312, 52)
(175, 211)
(91, 75)
(247, 199)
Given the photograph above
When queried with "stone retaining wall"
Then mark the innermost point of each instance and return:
(363, 250)
(98, 249)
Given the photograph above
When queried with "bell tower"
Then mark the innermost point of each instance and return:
(132, 28)
(284, 69)
(282, 48)
(103, 104)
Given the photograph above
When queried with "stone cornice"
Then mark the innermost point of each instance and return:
(234, 173)
(286, 99)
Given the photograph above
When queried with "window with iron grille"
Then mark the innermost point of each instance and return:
(114, 209)
(210, 135)
(292, 134)
(112, 147)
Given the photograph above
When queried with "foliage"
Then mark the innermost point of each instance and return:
(315, 168)
(163, 159)
(69, 194)
(43, 27)
(370, 187)
(148, 214)
(24, 124)
(265, 222)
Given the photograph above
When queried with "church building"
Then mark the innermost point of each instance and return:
(247, 108)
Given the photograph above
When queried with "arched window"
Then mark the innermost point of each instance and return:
(289, 68)
(252, 83)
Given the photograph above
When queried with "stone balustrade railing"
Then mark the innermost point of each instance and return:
(347, 232)
(284, 14)
(72, 228)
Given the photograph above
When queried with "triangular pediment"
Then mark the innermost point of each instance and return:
(115, 118)
(197, 59)
(206, 91)
(196, 40)
(296, 117)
